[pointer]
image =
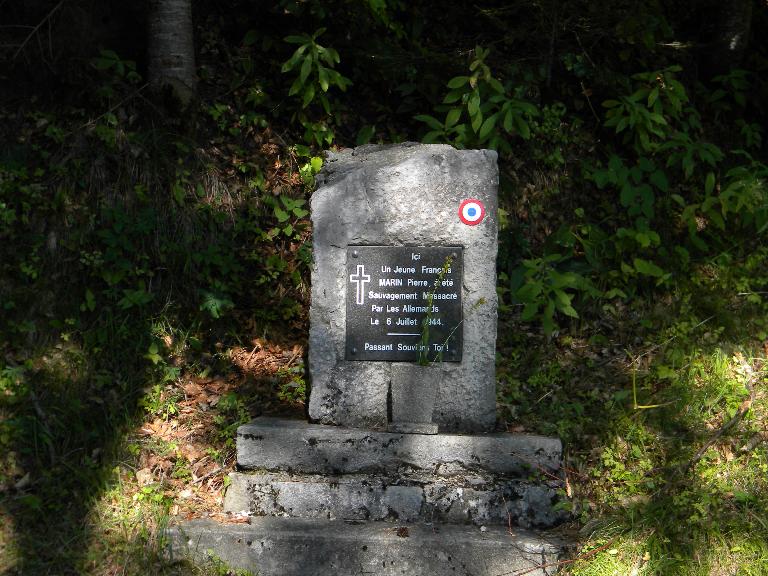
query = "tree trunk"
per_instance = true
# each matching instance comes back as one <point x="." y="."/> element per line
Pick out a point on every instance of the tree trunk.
<point x="172" y="48"/>
<point x="731" y="35"/>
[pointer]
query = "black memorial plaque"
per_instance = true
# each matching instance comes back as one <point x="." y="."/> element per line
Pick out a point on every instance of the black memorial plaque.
<point x="388" y="288"/>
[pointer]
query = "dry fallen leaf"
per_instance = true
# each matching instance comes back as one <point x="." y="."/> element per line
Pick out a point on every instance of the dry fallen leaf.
<point x="144" y="476"/>
<point x="185" y="494"/>
<point x="192" y="389"/>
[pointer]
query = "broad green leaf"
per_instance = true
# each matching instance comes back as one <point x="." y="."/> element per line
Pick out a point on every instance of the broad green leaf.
<point x="565" y="279"/>
<point x="643" y="239"/>
<point x="452" y="117"/>
<point x="325" y="103"/>
<point x="508" y="121"/>
<point x="659" y="179"/>
<point x="522" y="127"/>
<point x="562" y="299"/>
<point x="90" y="300"/>
<point x="496" y="85"/>
<point x="678" y="199"/>
<point x="309" y="95"/>
<point x="295" y="87"/>
<point x="645" y="142"/>
<point x="569" y="311"/>
<point x="365" y="134"/>
<point x="601" y="178"/>
<point x="487" y="126"/>
<point x="334" y="55"/>
<point x="281" y="215"/>
<point x="638" y="95"/>
<point x="653" y="96"/>
<point x="647" y="268"/>
<point x="547" y="318"/>
<point x="528" y="292"/>
<point x="709" y="183"/>
<point x="646" y="193"/>
<point x="106" y="59"/>
<point x="646" y="164"/>
<point x="430" y="121"/>
<point x="306" y="68"/>
<point x="297" y="39"/>
<point x="614" y="293"/>
<point x="615" y="163"/>
<point x="302" y="150"/>
<point x="717" y="219"/>
<point x="432" y="136"/>
<point x="527" y="108"/>
<point x="322" y="77"/>
<point x="317" y="163"/>
<point x="293" y="60"/>
<point x="529" y="311"/>
<point x="477" y="121"/>
<point x="457" y="82"/>
<point x="627" y="195"/>
<point x="473" y="106"/>
<point x="453" y="96"/>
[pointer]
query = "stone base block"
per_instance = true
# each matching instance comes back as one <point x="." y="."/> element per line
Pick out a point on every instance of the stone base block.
<point x="295" y="446"/>
<point x="300" y="547"/>
<point x="459" y="500"/>
<point x="412" y="428"/>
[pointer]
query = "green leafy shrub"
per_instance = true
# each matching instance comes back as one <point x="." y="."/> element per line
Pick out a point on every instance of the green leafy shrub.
<point x="313" y="65"/>
<point x="480" y="112"/>
<point x="644" y="116"/>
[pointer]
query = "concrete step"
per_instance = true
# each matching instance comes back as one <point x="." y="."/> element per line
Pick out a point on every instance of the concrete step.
<point x="413" y="498"/>
<point x="304" y="547"/>
<point x="274" y="444"/>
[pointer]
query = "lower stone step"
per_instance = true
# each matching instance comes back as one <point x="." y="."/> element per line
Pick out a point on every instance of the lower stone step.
<point x="424" y="498"/>
<point x="305" y="547"/>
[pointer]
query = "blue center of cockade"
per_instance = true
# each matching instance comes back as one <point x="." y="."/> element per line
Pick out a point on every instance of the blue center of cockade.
<point x="471" y="211"/>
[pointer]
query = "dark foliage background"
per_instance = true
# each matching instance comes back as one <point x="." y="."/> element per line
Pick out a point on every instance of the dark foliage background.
<point x="147" y="246"/>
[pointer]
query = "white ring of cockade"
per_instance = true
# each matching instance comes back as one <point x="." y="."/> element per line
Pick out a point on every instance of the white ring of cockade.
<point x="471" y="211"/>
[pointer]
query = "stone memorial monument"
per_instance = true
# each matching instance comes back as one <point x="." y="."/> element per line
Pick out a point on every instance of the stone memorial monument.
<point x="399" y="471"/>
<point x="385" y="220"/>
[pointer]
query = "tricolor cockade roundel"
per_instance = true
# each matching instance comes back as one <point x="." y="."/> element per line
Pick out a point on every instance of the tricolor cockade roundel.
<point x="471" y="211"/>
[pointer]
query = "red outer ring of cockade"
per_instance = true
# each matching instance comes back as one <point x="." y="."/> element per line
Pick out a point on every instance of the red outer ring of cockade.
<point x="461" y="211"/>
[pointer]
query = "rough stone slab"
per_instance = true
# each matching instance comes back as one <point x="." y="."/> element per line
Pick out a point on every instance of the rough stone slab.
<point x="299" y="547"/>
<point x="296" y="446"/>
<point x="412" y="428"/>
<point x="403" y="195"/>
<point x="415" y="499"/>
<point x="331" y="498"/>
<point x="413" y="391"/>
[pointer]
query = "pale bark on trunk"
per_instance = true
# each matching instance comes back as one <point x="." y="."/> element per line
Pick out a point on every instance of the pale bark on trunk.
<point x="172" y="48"/>
<point x="731" y="36"/>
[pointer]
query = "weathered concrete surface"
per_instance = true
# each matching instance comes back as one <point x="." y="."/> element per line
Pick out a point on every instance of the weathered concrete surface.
<point x="331" y="498"/>
<point x="412" y="427"/>
<point x="292" y="445"/>
<point x="413" y="392"/>
<point x="422" y="498"/>
<point x="403" y="195"/>
<point x="299" y="547"/>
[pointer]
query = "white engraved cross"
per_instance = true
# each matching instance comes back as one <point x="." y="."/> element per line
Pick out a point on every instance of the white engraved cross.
<point x="361" y="279"/>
